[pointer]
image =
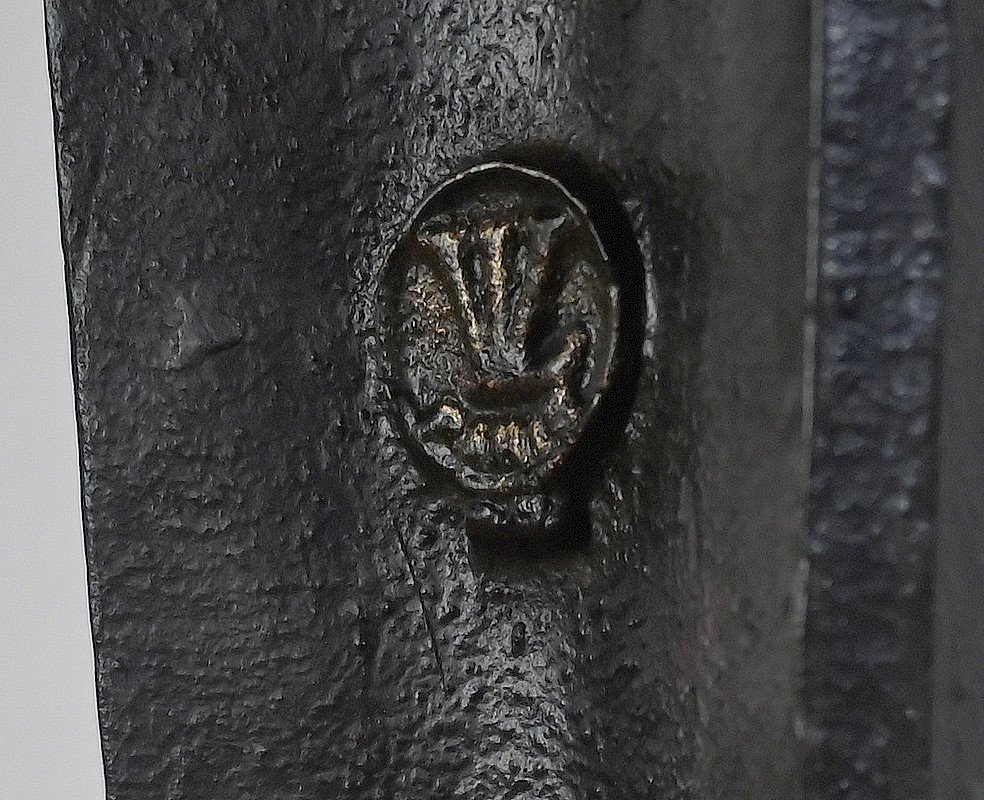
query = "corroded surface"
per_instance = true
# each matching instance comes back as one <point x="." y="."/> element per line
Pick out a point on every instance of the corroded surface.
<point x="882" y="230"/>
<point x="280" y="608"/>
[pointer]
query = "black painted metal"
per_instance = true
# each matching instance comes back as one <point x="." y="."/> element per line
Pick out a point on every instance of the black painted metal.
<point x="283" y="605"/>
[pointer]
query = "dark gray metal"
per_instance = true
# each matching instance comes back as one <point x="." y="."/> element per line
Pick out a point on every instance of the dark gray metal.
<point x="958" y="756"/>
<point x="292" y="595"/>
<point x="882" y="233"/>
<point x="278" y="611"/>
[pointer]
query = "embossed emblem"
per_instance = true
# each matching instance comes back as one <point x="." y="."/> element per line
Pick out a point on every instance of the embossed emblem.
<point x="502" y="317"/>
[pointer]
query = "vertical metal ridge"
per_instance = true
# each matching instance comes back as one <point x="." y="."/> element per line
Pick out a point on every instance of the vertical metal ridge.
<point x="881" y="254"/>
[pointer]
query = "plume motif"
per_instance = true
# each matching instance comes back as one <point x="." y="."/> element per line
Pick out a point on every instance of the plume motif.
<point x="504" y="321"/>
<point x="496" y="280"/>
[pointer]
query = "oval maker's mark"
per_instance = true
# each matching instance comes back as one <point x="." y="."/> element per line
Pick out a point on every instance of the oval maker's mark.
<point x="502" y="318"/>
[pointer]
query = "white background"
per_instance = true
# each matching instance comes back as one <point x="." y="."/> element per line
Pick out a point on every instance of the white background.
<point x="49" y="740"/>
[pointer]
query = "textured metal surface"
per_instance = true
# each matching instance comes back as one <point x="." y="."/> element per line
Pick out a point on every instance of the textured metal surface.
<point x="512" y="351"/>
<point x="882" y="232"/>
<point x="277" y="611"/>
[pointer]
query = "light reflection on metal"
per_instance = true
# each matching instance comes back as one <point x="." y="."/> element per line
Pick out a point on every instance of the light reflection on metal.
<point x="502" y="312"/>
